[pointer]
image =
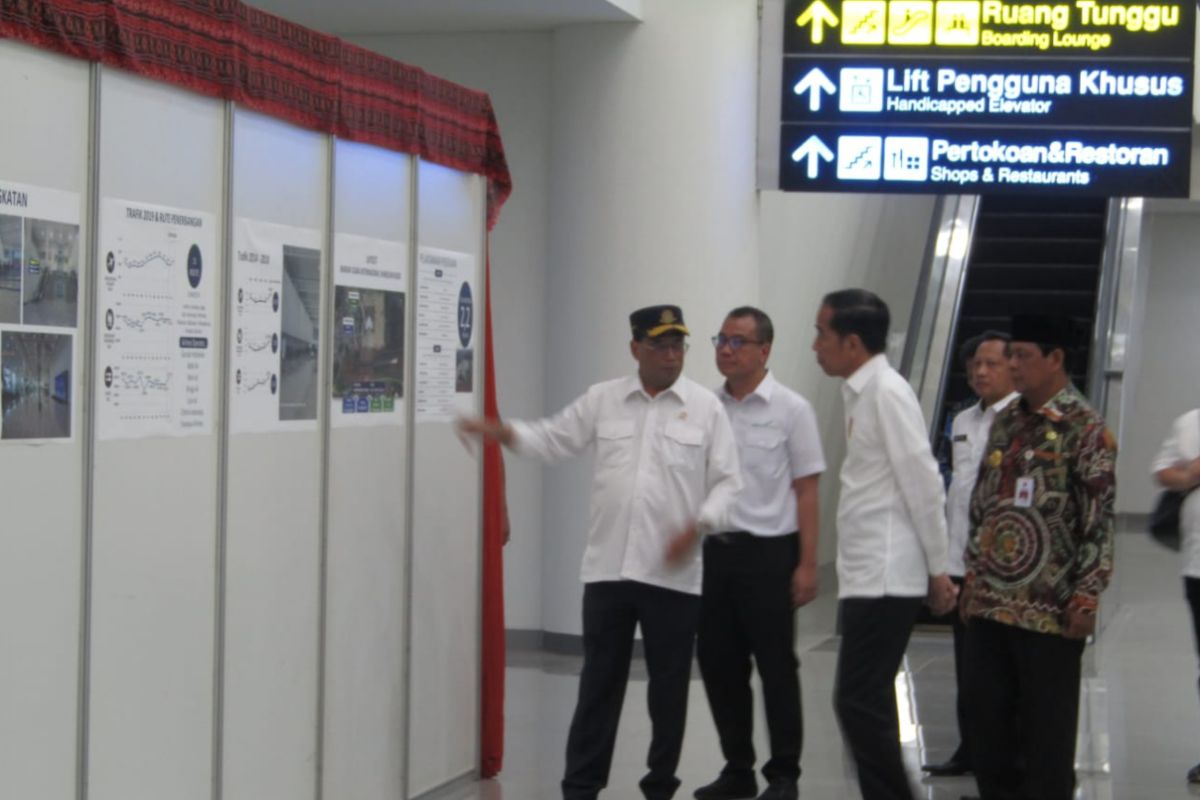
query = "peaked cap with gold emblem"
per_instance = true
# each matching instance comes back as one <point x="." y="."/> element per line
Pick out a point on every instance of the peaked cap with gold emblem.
<point x="657" y="320"/>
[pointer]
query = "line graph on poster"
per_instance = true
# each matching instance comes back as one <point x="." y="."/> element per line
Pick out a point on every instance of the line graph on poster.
<point x="249" y="382"/>
<point x="141" y="325"/>
<point x="258" y="297"/>
<point x="141" y="272"/>
<point x="139" y="388"/>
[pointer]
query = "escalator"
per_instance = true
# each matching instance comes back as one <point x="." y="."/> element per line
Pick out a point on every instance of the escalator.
<point x="1028" y="255"/>
<point x="989" y="258"/>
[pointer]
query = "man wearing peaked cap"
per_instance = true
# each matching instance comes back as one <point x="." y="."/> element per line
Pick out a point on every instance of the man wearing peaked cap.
<point x="657" y="320"/>
<point x="1039" y="555"/>
<point x="665" y="471"/>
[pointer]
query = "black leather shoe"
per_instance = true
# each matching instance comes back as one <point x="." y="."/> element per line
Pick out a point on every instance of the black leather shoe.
<point x="781" y="790"/>
<point x="948" y="768"/>
<point x="729" y="787"/>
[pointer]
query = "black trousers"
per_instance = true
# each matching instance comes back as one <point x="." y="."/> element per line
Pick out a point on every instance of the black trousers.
<point x="875" y="634"/>
<point x="746" y="611"/>
<point x="963" y="753"/>
<point x="1023" y="693"/>
<point x="1191" y="589"/>
<point x="611" y="612"/>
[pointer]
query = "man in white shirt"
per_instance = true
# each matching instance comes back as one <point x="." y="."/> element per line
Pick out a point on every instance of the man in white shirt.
<point x="1177" y="468"/>
<point x="666" y="472"/>
<point x="892" y="537"/>
<point x="763" y="567"/>
<point x="986" y="358"/>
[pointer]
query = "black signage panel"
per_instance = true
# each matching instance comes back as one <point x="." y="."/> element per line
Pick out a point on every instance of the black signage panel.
<point x="1078" y="28"/>
<point x="987" y="96"/>
<point x="963" y="91"/>
<point x="952" y="160"/>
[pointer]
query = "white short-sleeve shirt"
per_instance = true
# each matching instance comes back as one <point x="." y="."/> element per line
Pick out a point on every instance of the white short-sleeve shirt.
<point x="778" y="442"/>
<point x="1183" y="444"/>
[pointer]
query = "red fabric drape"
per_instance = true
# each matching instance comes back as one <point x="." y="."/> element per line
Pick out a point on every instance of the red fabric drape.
<point x="495" y="525"/>
<point x="226" y="49"/>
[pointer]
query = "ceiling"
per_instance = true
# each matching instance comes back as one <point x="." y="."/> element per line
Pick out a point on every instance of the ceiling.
<point x="364" y="17"/>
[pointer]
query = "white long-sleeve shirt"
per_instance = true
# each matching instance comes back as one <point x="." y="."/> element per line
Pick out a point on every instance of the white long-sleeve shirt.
<point x="891" y="515"/>
<point x="661" y="463"/>
<point x="968" y="439"/>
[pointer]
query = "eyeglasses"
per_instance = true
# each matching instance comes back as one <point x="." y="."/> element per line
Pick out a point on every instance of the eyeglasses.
<point x="666" y="345"/>
<point x="735" y="342"/>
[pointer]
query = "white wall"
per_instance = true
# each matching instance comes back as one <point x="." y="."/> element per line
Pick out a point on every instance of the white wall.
<point x="515" y="70"/>
<point x="1168" y="381"/>
<point x="814" y="244"/>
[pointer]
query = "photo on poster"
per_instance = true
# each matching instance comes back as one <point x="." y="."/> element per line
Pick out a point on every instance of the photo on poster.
<point x="50" y="291"/>
<point x="464" y="371"/>
<point x="368" y="360"/>
<point x="36" y="372"/>
<point x="10" y="269"/>
<point x="300" y="347"/>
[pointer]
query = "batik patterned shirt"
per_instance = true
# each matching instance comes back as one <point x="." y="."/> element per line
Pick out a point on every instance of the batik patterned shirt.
<point x="1042" y="515"/>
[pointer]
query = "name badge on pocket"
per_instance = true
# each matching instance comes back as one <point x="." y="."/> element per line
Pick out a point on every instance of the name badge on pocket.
<point x="1024" y="497"/>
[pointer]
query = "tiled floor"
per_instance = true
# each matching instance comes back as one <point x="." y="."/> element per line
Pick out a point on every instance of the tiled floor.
<point x="1139" y="725"/>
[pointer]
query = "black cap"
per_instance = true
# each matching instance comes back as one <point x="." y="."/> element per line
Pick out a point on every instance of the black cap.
<point x="656" y="320"/>
<point x="1043" y="329"/>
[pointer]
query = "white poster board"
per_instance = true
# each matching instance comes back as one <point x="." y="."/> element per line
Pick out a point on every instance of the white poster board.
<point x="154" y="321"/>
<point x="39" y="311"/>
<point x="275" y="325"/>
<point x="446" y="335"/>
<point x="371" y="278"/>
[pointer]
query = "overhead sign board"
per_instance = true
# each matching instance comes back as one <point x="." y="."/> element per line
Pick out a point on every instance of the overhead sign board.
<point x="985" y="96"/>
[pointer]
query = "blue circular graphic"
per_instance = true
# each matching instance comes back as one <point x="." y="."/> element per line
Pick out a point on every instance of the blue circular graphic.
<point x="195" y="266"/>
<point x="466" y="314"/>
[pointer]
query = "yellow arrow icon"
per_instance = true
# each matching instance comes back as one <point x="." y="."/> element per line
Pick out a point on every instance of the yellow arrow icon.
<point x="819" y="15"/>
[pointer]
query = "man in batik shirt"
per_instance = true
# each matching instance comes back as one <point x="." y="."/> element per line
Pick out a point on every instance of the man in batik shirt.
<point x="1038" y="558"/>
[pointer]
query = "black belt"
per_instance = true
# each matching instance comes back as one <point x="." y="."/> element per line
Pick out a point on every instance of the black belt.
<point x="743" y="537"/>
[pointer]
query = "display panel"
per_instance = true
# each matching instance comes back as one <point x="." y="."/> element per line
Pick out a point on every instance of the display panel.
<point x="986" y="96"/>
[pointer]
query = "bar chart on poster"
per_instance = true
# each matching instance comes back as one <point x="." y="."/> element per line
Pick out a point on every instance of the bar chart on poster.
<point x="987" y="96"/>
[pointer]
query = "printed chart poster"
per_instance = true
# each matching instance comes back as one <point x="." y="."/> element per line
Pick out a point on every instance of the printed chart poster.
<point x="368" y="317"/>
<point x="154" y="321"/>
<point x="446" y="342"/>
<point x="39" y="310"/>
<point x="276" y="332"/>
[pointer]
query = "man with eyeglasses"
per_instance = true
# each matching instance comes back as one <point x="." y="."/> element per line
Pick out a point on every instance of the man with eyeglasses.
<point x="762" y="568"/>
<point x="665" y="473"/>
